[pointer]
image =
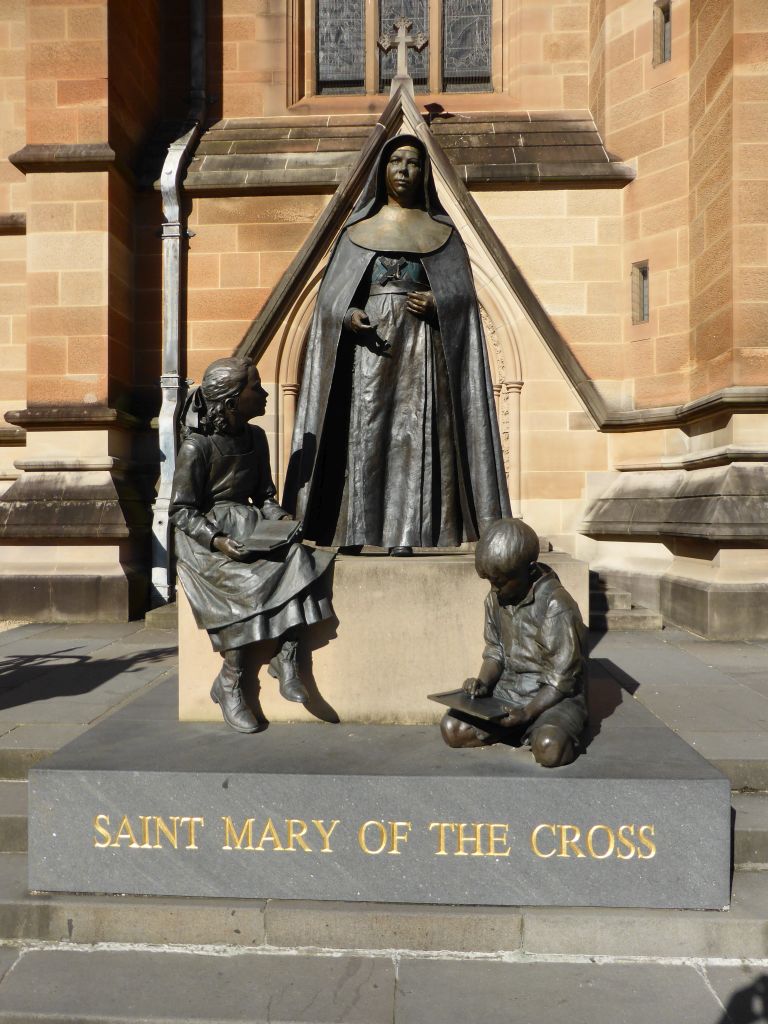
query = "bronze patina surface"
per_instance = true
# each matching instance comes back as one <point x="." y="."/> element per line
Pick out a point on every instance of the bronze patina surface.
<point x="396" y="442"/>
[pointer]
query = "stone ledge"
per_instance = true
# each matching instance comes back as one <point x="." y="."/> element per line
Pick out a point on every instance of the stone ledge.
<point x="714" y="503"/>
<point x="739" y="398"/>
<point x="12" y="437"/>
<point x="720" y="456"/>
<point x="71" y="597"/>
<point x="62" y="417"/>
<point x="95" y="156"/>
<point x="13" y="223"/>
<point x="485" y="148"/>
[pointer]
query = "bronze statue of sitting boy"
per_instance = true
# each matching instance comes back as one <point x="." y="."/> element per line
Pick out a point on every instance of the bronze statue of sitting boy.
<point x="534" y="660"/>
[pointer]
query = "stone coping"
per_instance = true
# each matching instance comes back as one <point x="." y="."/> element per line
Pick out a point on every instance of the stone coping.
<point x="484" y="147"/>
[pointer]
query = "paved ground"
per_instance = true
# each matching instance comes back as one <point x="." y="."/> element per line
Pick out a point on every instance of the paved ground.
<point x="55" y="681"/>
<point x="137" y="985"/>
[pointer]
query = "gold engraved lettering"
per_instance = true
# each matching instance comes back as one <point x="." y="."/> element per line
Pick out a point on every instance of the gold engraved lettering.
<point x="442" y="827"/>
<point x="494" y="839"/>
<point x="297" y="829"/>
<point x="231" y="836"/>
<point x="362" y="839"/>
<point x="648" y="843"/>
<point x="125" y="832"/>
<point x="145" y="820"/>
<point x="396" y="837"/>
<point x="269" y="835"/>
<point x="191" y="823"/>
<point x="171" y="836"/>
<point x="566" y="843"/>
<point x="624" y="841"/>
<point x="99" y="823"/>
<point x="611" y="842"/>
<point x="325" y="833"/>
<point x="475" y="840"/>
<point x="535" y="840"/>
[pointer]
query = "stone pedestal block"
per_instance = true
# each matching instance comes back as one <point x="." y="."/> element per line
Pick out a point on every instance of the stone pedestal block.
<point x="407" y="627"/>
<point x="145" y="804"/>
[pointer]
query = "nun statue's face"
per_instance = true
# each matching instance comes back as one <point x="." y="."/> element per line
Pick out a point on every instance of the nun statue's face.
<point x="404" y="176"/>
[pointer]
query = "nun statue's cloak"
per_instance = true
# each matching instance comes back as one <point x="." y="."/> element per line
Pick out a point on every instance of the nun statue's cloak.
<point x="396" y="441"/>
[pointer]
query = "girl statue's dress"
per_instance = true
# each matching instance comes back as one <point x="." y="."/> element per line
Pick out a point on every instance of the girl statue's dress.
<point x="223" y="484"/>
<point x="396" y="441"/>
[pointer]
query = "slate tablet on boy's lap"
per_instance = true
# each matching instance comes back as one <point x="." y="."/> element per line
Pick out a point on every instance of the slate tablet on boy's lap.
<point x="488" y="708"/>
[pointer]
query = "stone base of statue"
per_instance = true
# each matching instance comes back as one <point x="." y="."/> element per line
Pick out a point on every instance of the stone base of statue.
<point x="406" y="628"/>
<point x="145" y="804"/>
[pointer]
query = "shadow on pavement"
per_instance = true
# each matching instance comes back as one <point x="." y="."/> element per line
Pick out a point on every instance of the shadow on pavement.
<point x="26" y="678"/>
<point x="748" y="1005"/>
<point x="625" y="681"/>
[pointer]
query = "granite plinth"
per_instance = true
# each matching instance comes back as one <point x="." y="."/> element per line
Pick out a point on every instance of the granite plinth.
<point x="144" y="804"/>
<point x="407" y="627"/>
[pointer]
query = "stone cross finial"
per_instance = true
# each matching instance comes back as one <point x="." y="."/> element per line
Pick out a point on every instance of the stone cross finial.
<point x="403" y="41"/>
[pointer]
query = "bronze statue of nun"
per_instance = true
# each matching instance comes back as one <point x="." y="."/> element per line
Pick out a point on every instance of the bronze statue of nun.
<point x="396" y="442"/>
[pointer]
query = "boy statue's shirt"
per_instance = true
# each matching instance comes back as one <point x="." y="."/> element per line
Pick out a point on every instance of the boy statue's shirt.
<point x="538" y="642"/>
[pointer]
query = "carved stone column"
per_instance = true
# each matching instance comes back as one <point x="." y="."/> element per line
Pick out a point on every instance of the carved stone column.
<point x="290" y="394"/>
<point x="506" y="395"/>
<point x="514" y="451"/>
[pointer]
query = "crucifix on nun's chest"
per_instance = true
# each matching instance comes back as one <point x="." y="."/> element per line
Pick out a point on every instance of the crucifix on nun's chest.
<point x="403" y="41"/>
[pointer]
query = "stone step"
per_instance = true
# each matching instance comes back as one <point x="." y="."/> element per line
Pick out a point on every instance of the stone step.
<point x="604" y="599"/>
<point x="270" y="925"/>
<point x="744" y="772"/>
<point x="155" y="986"/>
<point x="750" y="841"/>
<point x="25" y="746"/>
<point x="13" y="817"/>
<point x="164" y="617"/>
<point x="635" y="618"/>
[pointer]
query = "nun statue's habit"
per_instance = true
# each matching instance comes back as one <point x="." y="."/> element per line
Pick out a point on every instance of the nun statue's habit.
<point x="396" y="442"/>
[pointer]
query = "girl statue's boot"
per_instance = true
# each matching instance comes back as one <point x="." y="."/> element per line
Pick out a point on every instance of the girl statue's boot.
<point x="284" y="668"/>
<point x="227" y="693"/>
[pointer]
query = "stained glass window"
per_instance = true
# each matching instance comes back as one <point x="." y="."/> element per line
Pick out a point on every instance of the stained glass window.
<point x="416" y="11"/>
<point x="340" y="46"/>
<point x="466" y="45"/>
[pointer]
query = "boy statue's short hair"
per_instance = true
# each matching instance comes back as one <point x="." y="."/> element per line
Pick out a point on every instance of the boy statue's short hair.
<point x="506" y="546"/>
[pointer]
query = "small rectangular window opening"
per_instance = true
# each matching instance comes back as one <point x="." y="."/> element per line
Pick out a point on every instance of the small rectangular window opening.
<point x="662" y="32"/>
<point x="640" y="303"/>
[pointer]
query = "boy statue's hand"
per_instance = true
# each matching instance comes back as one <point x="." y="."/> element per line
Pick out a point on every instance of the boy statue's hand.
<point x="475" y="688"/>
<point x="514" y="717"/>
